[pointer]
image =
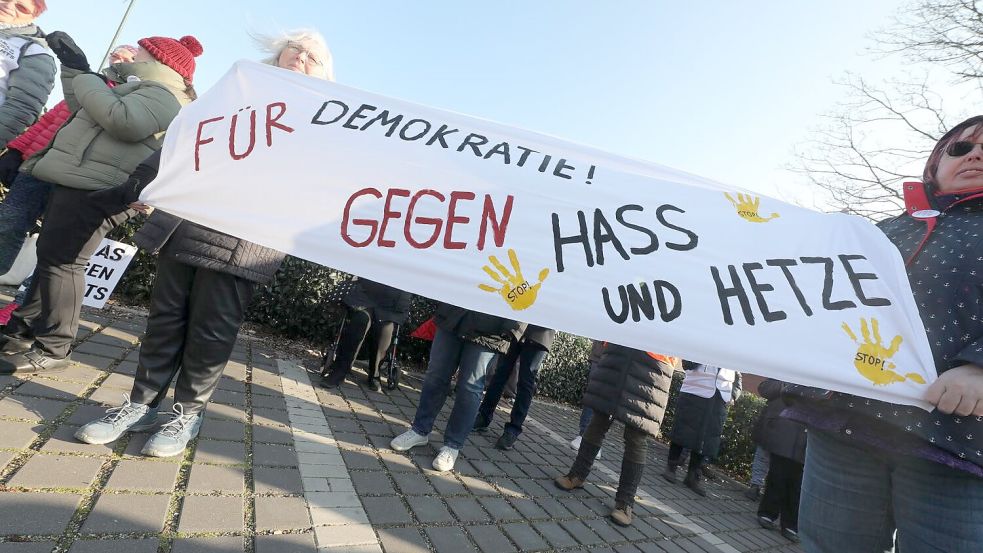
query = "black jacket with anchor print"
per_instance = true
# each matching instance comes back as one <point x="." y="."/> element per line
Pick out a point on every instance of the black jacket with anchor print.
<point x="946" y="275"/>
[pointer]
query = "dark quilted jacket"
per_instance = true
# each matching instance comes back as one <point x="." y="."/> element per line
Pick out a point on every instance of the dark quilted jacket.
<point x="385" y="302"/>
<point x="490" y="331"/>
<point x="630" y="385"/>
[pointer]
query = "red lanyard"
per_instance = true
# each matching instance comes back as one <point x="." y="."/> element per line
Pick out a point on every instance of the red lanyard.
<point x="918" y="206"/>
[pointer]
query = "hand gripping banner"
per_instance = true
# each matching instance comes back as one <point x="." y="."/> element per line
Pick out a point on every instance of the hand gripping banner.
<point x="533" y="228"/>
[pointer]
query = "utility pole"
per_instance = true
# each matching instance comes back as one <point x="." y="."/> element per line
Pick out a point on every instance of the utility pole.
<point x="119" y="30"/>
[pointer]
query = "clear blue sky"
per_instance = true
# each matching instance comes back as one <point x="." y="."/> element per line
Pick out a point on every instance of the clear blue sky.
<point x="719" y="88"/>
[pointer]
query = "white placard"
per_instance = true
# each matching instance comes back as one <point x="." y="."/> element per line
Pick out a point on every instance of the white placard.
<point x="104" y="270"/>
<point x="530" y="227"/>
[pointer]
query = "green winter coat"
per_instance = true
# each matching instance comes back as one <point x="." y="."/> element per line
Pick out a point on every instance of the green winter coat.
<point x="29" y="85"/>
<point x="111" y="130"/>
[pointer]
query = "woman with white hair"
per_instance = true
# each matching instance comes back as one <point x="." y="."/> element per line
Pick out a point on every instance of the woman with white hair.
<point x="205" y="281"/>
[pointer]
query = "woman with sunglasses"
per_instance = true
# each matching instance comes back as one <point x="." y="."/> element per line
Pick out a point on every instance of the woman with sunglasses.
<point x="878" y="474"/>
<point x="205" y="281"/>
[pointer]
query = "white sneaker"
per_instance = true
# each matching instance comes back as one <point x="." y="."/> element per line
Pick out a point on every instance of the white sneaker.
<point x="408" y="439"/>
<point x="575" y="443"/>
<point x="598" y="456"/>
<point x="445" y="459"/>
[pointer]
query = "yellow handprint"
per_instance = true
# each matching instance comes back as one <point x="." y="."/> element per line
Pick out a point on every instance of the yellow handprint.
<point x="747" y="208"/>
<point x="515" y="290"/>
<point x="873" y="359"/>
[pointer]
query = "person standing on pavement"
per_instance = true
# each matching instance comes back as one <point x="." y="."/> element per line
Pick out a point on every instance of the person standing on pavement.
<point x="596" y="348"/>
<point x="785" y="441"/>
<point x="529" y="351"/>
<point x="759" y="472"/>
<point x="631" y="386"/>
<point x="205" y="281"/>
<point x="466" y="343"/>
<point x="701" y="410"/>
<point x="116" y="128"/>
<point x="373" y="311"/>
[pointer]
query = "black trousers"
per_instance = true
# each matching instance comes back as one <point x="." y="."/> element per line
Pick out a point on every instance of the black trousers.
<point x="73" y="227"/>
<point x="676" y="453"/>
<point x="633" y="462"/>
<point x="360" y="328"/>
<point x="530" y="356"/>
<point x="195" y="315"/>
<point x="782" y="489"/>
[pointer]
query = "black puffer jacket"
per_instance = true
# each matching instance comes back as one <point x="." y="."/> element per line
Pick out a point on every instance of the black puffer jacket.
<point x="492" y="332"/>
<point x="385" y="302"/>
<point x="542" y="336"/>
<point x="630" y="385"/>
<point x="775" y="433"/>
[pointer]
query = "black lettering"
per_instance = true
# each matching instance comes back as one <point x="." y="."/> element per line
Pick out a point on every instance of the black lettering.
<point x="317" y="116"/>
<point x="118" y="254"/>
<point x="622" y="315"/>
<point x="693" y="238"/>
<point x="103" y="252"/>
<point x="640" y="301"/>
<point x="383" y="119"/>
<point x="828" y="285"/>
<point x="784" y="264"/>
<point x="667" y="314"/>
<point x="605" y="234"/>
<point x="855" y="279"/>
<point x="426" y="129"/>
<point x="89" y="288"/>
<point x="583" y="238"/>
<point x="439" y="136"/>
<point x="473" y="140"/>
<point x="561" y="166"/>
<point x="356" y="115"/>
<point x="758" y="289"/>
<point x="653" y="244"/>
<point x="735" y="290"/>
<point x="525" y="155"/>
<point x="502" y="149"/>
<point x="101" y="293"/>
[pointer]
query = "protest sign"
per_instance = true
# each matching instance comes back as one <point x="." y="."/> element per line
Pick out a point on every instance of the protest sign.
<point x="533" y="228"/>
<point x="104" y="270"/>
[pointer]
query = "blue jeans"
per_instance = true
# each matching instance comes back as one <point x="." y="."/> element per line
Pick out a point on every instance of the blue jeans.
<point x="530" y="356"/>
<point x="22" y="206"/>
<point x="450" y="354"/>
<point x="855" y="496"/>
<point x="586" y="413"/>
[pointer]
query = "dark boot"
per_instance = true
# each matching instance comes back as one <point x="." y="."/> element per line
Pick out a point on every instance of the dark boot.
<point x="694" y="482"/>
<point x="670" y="472"/>
<point x="631" y="475"/>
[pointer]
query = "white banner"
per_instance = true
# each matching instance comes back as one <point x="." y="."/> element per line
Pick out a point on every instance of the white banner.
<point x="533" y="228"/>
<point x="104" y="270"/>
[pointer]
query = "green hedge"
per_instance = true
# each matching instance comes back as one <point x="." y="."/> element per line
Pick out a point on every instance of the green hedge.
<point x="302" y="302"/>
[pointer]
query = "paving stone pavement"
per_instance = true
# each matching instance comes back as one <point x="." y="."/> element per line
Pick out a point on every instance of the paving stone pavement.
<point x="285" y="466"/>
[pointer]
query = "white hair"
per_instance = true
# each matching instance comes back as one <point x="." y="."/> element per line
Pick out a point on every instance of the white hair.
<point x="274" y="45"/>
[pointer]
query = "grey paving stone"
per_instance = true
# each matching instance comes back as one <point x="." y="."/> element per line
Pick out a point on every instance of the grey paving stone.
<point x="361" y="460"/>
<point x="524" y="536"/>
<point x="208" y="478"/>
<point x="226" y="544"/>
<point x="490" y="539"/>
<point x="528" y="508"/>
<point x="403" y="540"/>
<point x="222" y="411"/>
<point x="386" y="510"/>
<point x="499" y="509"/>
<point x="36" y="513"/>
<point x="448" y="539"/>
<point x="270" y="454"/>
<point x="555" y="534"/>
<point x="53" y="389"/>
<point x="63" y="440"/>
<point x="268" y="401"/>
<point x="273" y="435"/>
<point x="211" y="514"/>
<point x="429" y="509"/>
<point x="277" y="480"/>
<point x="132" y="474"/>
<point x="17" y="435"/>
<point x="31" y="408"/>
<point x="220" y="452"/>
<point x="6" y="456"/>
<point x="580" y="531"/>
<point x="85" y="414"/>
<point x="127" y="513"/>
<point x="445" y="483"/>
<point x="122" y="382"/>
<point x="57" y="471"/>
<point x="411" y="483"/>
<point x="27" y="547"/>
<point x="223" y="430"/>
<point x="90" y="347"/>
<point x="467" y="509"/>
<point x="604" y="529"/>
<point x="231" y="385"/>
<point x="372" y="482"/>
<point x="282" y="513"/>
<point x="285" y="543"/>
<point x="270" y="417"/>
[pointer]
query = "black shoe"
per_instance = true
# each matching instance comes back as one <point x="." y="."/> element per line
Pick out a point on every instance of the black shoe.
<point x="693" y="482"/>
<point x="790" y="535"/>
<point x="753" y="493"/>
<point x="768" y="523"/>
<point x="374" y="384"/>
<point x="329" y="382"/>
<point x="670" y="474"/>
<point x="505" y="441"/>
<point x="32" y="362"/>
<point x="10" y="345"/>
<point x="481" y="424"/>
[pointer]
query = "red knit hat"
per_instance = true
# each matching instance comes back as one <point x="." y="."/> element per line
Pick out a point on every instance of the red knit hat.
<point x="179" y="55"/>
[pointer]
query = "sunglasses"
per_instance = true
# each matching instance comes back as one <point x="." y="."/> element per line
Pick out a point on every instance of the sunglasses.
<point x="961" y="148"/>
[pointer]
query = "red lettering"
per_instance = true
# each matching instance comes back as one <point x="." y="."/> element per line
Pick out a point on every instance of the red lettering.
<point x="388" y="213"/>
<point x="199" y="142"/>
<point x="453" y="219"/>
<point x="499" y="224"/>
<point x="371" y="223"/>
<point x="435" y="221"/>
<point x="252" y="135"/>
<point x="272" y="121"/>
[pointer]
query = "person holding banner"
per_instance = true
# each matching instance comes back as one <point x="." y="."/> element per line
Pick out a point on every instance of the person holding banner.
<point x="631" y="386"/>
<point x="876" y="473"/>
<point x="205" y="281"/>
<point x="466" y="343"/>
<point x="116" y="128"/>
